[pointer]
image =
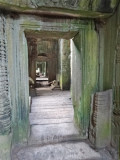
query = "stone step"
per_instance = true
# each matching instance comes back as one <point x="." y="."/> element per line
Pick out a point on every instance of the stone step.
<point x="52" y="99"/>
<point x="62" y="151"/>
<point x="50" y="109"/>
<point x="53" y="133"/>
<point x="38" y="121"/>
<point x="48" y="103"/>
<point x="50" y="115"/>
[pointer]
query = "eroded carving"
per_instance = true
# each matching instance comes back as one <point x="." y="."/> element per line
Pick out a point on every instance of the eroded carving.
<point x="100" y="124"/>
<point x="5" y="111"/>
<point x="56" y="3"/>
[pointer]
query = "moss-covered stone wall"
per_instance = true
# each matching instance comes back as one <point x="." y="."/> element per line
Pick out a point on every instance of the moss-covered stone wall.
<point x="18" y="79"/>
<point x="84" y="75"/>
<point x="18" y="65"/>
<point x="95" y="66"/>
<point x="110" y="71"/>
<point x="65" y="64"/>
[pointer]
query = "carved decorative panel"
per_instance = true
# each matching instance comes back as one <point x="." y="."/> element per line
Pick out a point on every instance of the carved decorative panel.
<point x="5" y="121"/>
<point x="56" y="3"/>
<point x="100" y="123"/>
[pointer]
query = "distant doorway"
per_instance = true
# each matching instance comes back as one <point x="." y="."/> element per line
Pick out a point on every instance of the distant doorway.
<point x="41" y="74"/>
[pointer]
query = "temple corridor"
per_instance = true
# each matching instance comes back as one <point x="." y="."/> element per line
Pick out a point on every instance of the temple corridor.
<point x="60" y="80"/>
<point x="53" y="134"/>
<point x="51" y="117"/>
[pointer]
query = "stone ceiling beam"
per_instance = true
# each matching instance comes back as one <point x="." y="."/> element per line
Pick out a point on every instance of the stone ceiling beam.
<point x="73" y="8"/>
<point x="50" y="34"/>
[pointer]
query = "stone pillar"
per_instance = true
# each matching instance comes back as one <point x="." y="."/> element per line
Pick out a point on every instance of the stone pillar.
<point x="5" y="109"/>
<point x="32" y="55"/>
<point x="33" y="70"/>
<point x="46" y="69"/>
<point x="52" y="70"/>
<point x="65" y="65"/>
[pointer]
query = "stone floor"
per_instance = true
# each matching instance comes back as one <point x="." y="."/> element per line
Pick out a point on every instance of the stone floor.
<point x="51" y="118"/>
<point x="53" y="133"/>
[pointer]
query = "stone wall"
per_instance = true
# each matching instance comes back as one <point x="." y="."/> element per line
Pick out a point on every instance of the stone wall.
<point x="109" y="66"/>
<point x="114" y="61"/>
<point x="18" y="80"/>
<point x="95" y="61"/>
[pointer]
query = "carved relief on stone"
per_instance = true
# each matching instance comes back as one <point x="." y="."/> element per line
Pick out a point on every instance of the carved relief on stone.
<point x="100" y="123"/>
<point x="5" y="110"/>
<point x="55" y="3"/>
<point x="70" y="3"/>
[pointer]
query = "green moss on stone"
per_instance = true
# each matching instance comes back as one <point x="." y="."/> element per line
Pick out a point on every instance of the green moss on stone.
<point x="113" y="3"/>
<point x="88" y="58"/>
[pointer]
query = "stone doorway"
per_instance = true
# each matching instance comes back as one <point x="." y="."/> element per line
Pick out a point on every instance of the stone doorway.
<point x="62" y="30"/>
<point x="53" y="57"/>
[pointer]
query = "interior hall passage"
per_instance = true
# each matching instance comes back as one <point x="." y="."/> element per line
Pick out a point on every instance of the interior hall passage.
<point x="51" y="117"/>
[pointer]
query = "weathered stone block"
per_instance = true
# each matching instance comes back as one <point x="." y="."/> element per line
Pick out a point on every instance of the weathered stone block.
<point x="100" y="123"/>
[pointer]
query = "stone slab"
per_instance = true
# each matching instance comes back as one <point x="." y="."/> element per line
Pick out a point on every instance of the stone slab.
<point x="63" y="151"/>
<point x="48" y="115"/>
<point x="50" y="121"/>
<point x="52" y="109"/>
<point x="52" y="133"/>
<point x="40" y="108"/>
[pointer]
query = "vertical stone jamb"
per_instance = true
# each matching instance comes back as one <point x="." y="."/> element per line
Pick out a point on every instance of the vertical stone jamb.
<point x="5" y="109"/>
<point x="65" y="65"/>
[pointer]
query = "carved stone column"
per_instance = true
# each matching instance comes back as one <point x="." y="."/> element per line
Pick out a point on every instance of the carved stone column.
<point x="5" y="107"/>
<point x="5" y="110"/>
